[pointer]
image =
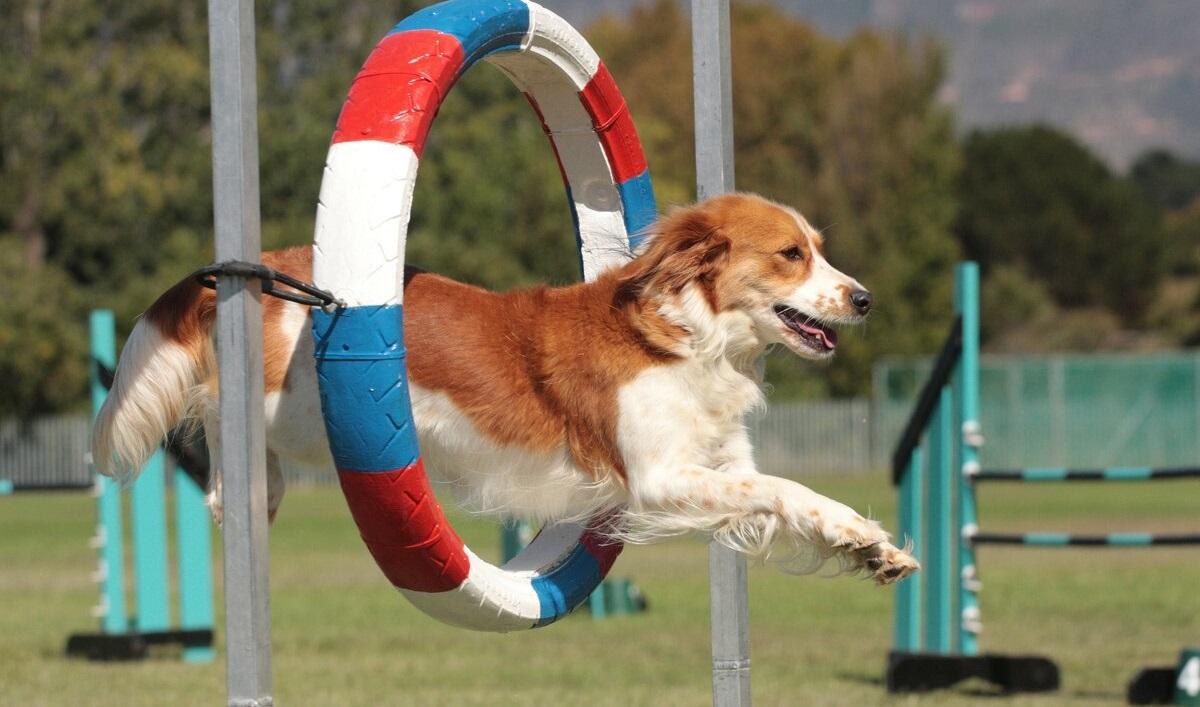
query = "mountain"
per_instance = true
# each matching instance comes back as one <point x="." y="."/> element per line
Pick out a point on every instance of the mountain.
<point x="1122" y="76"/>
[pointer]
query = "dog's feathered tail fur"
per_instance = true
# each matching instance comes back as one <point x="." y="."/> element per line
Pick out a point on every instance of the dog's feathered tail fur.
<point x="156" y="387"/>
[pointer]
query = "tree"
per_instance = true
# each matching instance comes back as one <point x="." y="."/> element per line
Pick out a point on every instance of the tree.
<point x="1174" y="184"/>
<point x="1166" y="179"/>
<point x="106" y="184"/>
<point x="105" y="177"/>
<point x="1037" y="198"/>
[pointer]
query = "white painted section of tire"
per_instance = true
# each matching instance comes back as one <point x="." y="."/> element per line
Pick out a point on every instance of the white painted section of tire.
<point x="362" y="221"/>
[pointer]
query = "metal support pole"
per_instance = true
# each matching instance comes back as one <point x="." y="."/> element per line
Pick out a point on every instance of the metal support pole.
<point x="713" y="97"/>
<point x="966" y="577"/>
<point x="239" y="353"/>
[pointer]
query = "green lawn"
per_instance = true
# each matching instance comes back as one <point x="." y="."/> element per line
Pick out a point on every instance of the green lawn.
<point x="343" y="637"/>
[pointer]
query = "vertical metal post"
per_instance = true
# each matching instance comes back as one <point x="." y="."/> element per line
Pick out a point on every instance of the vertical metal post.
<point x="713" y="97"/>
<point x="193" y="538"/>
<point x="967" y="576"/>
<point x="239" y="353"/>
<point x="110" y="529"/>
<point x="908" y="592"/>
<point x="149" y="520"/>
<point x="940" y="543"/>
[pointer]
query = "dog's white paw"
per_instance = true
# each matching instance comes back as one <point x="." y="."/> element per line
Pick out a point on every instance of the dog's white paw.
<point x="886" y="562"/>
<point x="865" y="543"/>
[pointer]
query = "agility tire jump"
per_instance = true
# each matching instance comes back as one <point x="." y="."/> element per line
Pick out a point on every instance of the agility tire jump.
<point x="358" y="254"/>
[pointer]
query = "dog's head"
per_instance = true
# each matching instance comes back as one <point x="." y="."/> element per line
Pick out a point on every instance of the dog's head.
<point x="746" y="255"/>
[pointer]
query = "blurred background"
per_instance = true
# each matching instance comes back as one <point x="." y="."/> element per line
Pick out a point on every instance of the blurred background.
<point x="1057" y="142"/>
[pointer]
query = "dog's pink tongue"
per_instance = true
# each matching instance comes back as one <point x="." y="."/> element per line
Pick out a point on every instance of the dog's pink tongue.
<point x="828" y="337"/>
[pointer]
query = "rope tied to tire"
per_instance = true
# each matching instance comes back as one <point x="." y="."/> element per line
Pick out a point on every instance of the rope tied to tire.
<point x="312" y="296"/>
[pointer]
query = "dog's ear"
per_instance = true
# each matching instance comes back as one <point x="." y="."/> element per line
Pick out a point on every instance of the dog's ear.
<point x="688" y="247"/>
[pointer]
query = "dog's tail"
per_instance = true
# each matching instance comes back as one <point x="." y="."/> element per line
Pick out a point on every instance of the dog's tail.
<point x="158" y="381"/>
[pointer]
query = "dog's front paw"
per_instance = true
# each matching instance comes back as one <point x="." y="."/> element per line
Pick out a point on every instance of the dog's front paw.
<point x="847" y="531"/>
<point x="886" y="562"/>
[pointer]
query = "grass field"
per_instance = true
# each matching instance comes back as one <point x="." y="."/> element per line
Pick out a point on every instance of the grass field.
<point x="343" y="637"/>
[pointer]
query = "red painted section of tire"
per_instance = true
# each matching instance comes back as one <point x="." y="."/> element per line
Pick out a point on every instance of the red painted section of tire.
<point x="396" y="95"/>
<point x="598" y="541"/>
<point x="404" y="528"/>
<point x="613" y="125"/>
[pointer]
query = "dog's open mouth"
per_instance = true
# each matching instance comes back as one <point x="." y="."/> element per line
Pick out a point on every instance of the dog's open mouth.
<point x="813" y="333"/>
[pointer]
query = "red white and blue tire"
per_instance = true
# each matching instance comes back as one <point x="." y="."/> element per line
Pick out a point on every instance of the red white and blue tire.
<point x="358" y="254"/>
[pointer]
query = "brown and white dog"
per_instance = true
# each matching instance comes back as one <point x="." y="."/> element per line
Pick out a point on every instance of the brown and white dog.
<point x="557" y="403"/>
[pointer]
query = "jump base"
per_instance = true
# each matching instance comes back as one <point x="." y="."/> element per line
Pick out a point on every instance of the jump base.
<point x="1152" y="686"/>
<point x="923" y="672"/>
<point x="133" y="646"/>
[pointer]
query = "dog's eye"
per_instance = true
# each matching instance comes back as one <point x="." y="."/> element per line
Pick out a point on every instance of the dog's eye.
<point x="792" y="253"/>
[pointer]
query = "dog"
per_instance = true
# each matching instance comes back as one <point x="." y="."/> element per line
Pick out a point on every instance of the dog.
<point x="626" y="393"/>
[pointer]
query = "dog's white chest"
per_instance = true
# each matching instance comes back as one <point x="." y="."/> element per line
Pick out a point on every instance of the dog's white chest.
<point x="684" y="413"/>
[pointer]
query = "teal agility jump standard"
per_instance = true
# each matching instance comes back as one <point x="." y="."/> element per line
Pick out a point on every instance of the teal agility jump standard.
<point x="936" y="464"/>
<point x="125" y="635"/>
<point x="1119" y="473"/>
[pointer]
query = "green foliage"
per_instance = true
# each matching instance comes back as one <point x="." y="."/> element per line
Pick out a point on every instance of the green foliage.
<point x="1166" y="179"/>
<point x="106" y="184"/>
<point x="1035" y="198"/>
<point x="490" y="207"/>
<point x="105" y="149"/>
<point x="105" y="155"/>
<point x="1010" y="299"/>
<point x="43" y="336"/>
<point x="1183" y="239"/>
<point x="1174" y="184"/>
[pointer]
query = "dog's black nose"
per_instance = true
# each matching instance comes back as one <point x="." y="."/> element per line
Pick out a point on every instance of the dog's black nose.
<point x="861" y="299"/>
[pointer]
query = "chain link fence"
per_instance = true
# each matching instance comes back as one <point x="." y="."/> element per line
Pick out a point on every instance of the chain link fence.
<point x="791" y="439"/>
<point x="1062" y="411"/>
<point x="45" y="452"/>
<point x="1066" y="411"/>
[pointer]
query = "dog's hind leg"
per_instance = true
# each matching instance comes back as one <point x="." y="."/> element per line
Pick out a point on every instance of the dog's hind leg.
<point x="750" y="512"/>
<point x="275" y="485"/>
<point x="214" y="498"/>
<point x="212" y="433"/>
